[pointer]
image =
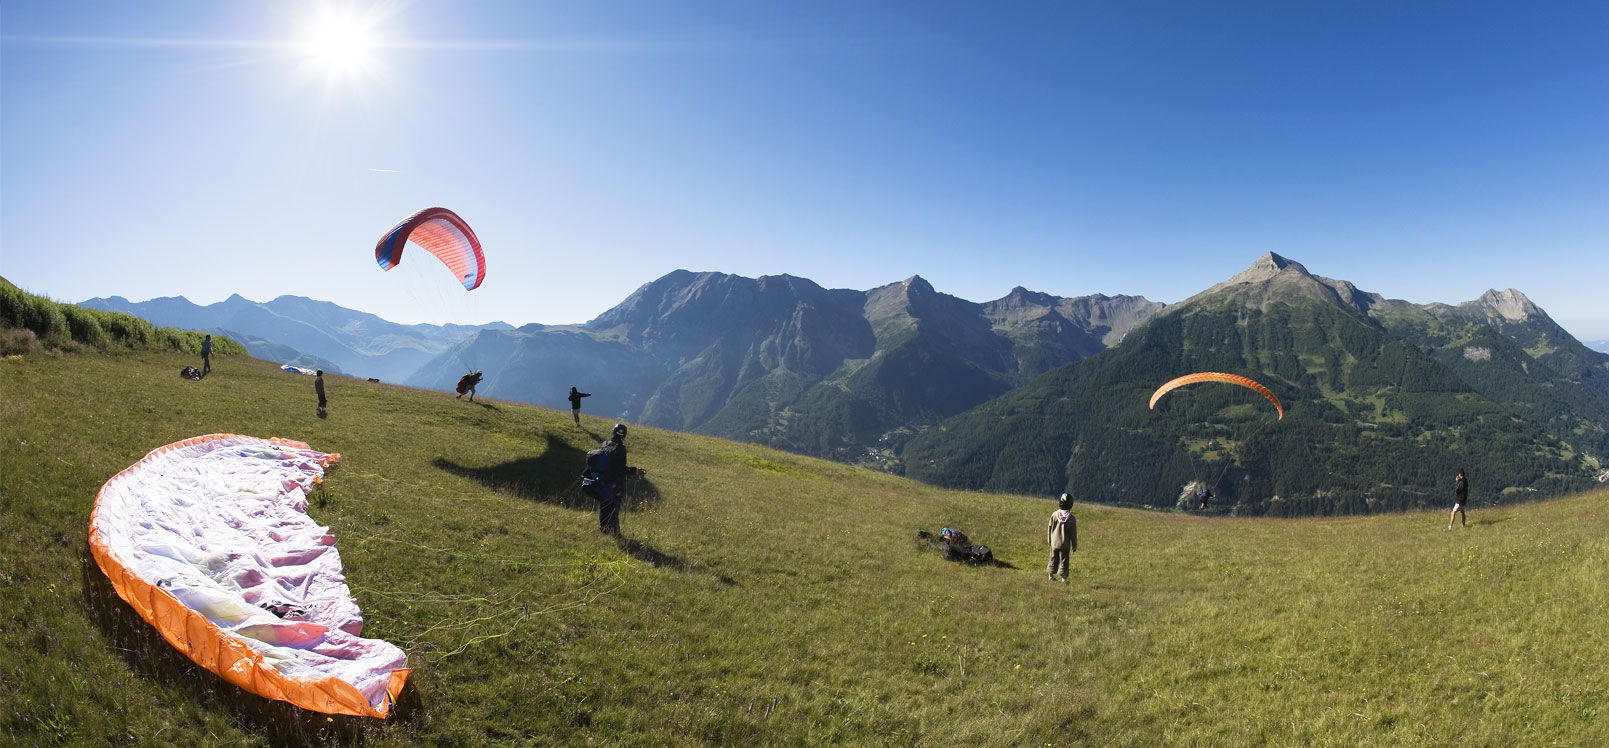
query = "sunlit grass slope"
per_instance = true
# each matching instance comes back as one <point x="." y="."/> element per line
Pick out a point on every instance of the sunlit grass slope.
<point x="768" y="599"/>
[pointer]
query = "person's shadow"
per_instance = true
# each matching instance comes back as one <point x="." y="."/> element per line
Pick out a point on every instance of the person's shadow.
<point x="551" y="477"/>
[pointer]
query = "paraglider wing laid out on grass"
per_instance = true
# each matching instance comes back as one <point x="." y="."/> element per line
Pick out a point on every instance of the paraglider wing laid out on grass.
<point x="442" y="233"/>
<point x="209" y="540"/>
<point x="1213" y="376"/>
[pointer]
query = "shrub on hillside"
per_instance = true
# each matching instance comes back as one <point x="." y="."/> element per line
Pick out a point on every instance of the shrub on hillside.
<point x="30" y="322"/>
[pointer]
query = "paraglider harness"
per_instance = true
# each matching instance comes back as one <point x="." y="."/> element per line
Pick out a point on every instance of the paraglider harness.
<point x="468" y="380"/>
<point x="592" y="479"/>
<point x="191" y="373"/>
<point x="957" y="546"/>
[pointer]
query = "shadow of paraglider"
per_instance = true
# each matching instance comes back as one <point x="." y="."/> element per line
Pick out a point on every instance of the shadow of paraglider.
<point x="551" y="477"/>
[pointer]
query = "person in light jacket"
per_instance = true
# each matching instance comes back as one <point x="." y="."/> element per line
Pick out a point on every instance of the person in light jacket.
<point x="1062" y="533"/>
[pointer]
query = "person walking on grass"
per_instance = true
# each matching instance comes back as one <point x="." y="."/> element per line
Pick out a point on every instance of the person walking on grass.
<point x="318" y="388"/>
<point x="206" y="355"/>
<point x="1063" y="537"/>
<point x="1460" y="500"/>
<point x="575" y="404"/>
<point x="467" y="384"/>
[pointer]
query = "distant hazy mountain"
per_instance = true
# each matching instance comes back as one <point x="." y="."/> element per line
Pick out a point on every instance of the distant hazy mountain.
<point x="1384" y="400"/>
<point x="359" y="343"/>
<point x="1602" y="346"/>
<point x="781" y="361"/>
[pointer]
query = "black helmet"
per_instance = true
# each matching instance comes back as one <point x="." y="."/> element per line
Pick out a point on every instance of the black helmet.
<point x="1065" y="502"/>
<point x="620" y="431"/>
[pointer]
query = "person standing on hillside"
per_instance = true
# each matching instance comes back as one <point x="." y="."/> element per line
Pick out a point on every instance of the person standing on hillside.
<point x="575" y="404"/>
<point x="318" y="387"/>
<point x="1063" y="536"/>
<point x="206" y="355"/>
<point x="1460" y="500"/>
<point x="607" y="471"/>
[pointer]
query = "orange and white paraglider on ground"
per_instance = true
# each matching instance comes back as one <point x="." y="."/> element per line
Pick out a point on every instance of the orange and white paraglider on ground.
<point x="208" y="539"/>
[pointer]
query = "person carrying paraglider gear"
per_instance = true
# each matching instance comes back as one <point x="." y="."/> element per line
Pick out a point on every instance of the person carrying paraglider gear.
<point x="1062" y="533"/>
<point x="206" y="356"/>
<point x="467" y="383"/>
<point x="575" y="404"/>
<point x="1460" y="500"/>
<point x="1205" y="496"/>
<point x="605" y="479"/>
<point x="318" y="388"/>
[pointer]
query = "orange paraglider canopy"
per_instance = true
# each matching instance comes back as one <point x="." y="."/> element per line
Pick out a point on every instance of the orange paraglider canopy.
<point x="1213" y="376"/>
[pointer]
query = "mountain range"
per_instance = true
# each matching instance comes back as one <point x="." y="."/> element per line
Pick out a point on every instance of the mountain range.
<point x="1035" y="393"/>
<point x="305" y="332"/>
<point x="1384" y="400"/>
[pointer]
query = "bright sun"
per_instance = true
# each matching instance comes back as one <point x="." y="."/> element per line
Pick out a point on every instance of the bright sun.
<point x="340" y="45"/>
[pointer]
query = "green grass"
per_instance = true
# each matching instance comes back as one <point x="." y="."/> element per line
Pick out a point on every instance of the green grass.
<point x="769" y="599"/>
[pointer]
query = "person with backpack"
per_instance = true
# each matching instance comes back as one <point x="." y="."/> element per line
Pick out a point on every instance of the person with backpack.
<point x="1205" y="496"/>
<point x="1460" y="500"/>
<point x="1063" y="536"/>
<point x="605" y="479"/>
<point x="575" y="404"/>
<point x="466" y="383"/>
<point x="206" y="356"/>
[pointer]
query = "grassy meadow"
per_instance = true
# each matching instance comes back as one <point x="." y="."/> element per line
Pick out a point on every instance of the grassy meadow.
<point x="765" y="599"/>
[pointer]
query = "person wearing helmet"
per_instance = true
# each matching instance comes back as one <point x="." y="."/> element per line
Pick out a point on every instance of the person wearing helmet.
<point x="1063" y="536"/>
<point x="613" y="487"/>
<point x="467" y="384"/>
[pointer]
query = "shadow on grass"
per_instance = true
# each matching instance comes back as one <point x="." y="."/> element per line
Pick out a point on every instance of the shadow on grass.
<point x="551" y="477"/>
<point x="1491" y="521"/>
<point x="150" y="656"/>
<point x="650" y="555"/>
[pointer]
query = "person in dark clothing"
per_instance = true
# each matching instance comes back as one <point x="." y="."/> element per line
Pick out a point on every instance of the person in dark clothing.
<point x="318" y="387"/>
<point x="1205" y="496"/>
<point x="575" y="404"/>
<point x="613" y="488"/>
<point x="467" y="383"/>
<point x="1460" y="500"/>
<point x="206" y="355"/>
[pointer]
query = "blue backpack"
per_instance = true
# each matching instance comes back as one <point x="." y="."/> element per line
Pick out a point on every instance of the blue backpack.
<point x="597" y="467"/>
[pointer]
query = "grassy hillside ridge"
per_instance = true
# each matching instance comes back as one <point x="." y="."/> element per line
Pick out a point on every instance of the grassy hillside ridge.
<point x="31" y="322"/>
<point x="770" y="599"/>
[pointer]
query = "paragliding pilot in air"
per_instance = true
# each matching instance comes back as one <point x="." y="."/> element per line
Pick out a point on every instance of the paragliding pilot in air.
<point x="466" y="383"/>
<point x="1205" y="495"/>
<point x="605" y="479"/>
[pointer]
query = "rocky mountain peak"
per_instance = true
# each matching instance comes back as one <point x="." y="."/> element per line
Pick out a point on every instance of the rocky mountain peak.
<point x="916" y="285"/>
<point x="1266" y="267"/>
<point x="1509" y="304"/>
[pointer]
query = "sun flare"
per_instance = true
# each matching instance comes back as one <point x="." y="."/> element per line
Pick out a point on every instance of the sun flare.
<point x="340" y="45"/>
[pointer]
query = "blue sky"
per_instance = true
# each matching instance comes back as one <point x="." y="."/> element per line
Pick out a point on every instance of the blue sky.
<point x="1423" y="150"/>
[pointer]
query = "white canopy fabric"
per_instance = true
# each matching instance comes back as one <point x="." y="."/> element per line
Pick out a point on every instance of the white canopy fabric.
<point x="220" y="524"/>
